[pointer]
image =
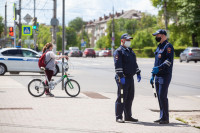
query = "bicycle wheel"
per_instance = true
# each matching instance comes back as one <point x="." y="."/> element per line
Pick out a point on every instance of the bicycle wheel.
<point x="72" y="88"/>
<point x="36" y="87"/>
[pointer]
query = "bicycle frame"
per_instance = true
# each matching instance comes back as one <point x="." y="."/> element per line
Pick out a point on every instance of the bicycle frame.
<point x="51" y="84"/>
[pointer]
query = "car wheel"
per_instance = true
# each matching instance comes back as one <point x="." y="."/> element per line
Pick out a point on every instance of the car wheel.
<point x="180" y="60"/>
<point x="2" y="69"/>
<point x="195" y="61"/>
<point x="56" y="71"/>
<point x="187" y="60"/>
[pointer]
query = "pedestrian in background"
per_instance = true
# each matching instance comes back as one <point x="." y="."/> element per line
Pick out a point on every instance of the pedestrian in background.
<point x="125" y="67"/>
<point x="36" y="48"/>
<point x="162" y="71"/>
<point x="50" y="57"/>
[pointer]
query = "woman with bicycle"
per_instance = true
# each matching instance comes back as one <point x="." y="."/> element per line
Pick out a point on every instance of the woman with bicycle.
<point x="50" y="58"/>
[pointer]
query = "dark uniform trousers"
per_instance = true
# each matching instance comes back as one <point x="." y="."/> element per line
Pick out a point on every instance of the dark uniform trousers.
<point x="162" y="84"/>
<point x="125" y="67"/>
<point x="164" y="57"/>
<point x="128" y="96"/>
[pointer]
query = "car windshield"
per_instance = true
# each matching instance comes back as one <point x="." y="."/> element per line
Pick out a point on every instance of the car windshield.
<point x="90" y="49"/>
<point x="196" y="50"/>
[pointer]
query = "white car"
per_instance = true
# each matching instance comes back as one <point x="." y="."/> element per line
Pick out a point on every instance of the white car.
<point x="105" y="53"/>
<point x="22" y="60"/>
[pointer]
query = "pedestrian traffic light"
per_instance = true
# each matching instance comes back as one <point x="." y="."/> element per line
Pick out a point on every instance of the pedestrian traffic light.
<point x="34" y="23"/>
<point x="11" y="32"/>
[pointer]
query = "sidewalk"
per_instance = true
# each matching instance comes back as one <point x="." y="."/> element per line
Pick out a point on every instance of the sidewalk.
<point x="22" y="113"/>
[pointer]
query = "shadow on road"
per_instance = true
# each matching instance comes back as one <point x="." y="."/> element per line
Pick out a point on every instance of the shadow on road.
<point x="156" y="124"/>
<point x="31" y="75"/>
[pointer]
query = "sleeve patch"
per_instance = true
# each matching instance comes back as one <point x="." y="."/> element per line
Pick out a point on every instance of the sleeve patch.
<point x="169" y="50"/>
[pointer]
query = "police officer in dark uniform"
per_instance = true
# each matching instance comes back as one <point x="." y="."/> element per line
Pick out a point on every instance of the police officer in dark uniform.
<point x="162" y="71"/>
<point x="125" y="67"/>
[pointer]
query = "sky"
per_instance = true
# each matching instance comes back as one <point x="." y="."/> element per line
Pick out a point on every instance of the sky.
<point x="86" y="9"/>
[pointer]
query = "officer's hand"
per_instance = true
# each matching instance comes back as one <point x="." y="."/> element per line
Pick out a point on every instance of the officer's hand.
<point x="122" y="80"/>
<point x="152" y="80"/>
<point x="155" y="70"/>
<point x="138" y="77"/>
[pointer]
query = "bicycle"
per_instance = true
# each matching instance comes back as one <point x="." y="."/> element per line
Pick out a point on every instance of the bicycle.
<point x="36" y="87"/>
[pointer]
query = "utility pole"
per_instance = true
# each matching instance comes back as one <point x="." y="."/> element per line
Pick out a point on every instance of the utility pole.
<point x="20" y="25"/>
<point x="113" y="33"/>
<point x="54" y="26"/>
<point x="165" y="14"/>
<point x="34" y="35"/>
<point x="63" y="39"/>
<point x="34" y="9"/>
<point x="5" y="30"/>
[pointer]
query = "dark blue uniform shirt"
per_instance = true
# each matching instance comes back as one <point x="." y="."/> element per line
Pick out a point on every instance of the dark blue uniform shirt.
<point x="164" y="57"/>
<point x="125" y="62"/>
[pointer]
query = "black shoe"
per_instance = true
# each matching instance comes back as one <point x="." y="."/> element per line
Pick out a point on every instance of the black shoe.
<point x="164" y="122"/>
<point x="49" y="94"/>
<point x="157" y="121"/>
<point x="119" y="121"/>
<point x="131" y="119"/>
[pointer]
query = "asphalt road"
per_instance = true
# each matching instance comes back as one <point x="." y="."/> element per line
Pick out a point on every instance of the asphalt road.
<point x="97" y="75"/>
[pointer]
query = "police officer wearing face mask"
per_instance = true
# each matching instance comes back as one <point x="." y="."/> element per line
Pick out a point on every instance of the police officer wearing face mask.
<point x="162" y="71"/>
<point x="125" y="67"/>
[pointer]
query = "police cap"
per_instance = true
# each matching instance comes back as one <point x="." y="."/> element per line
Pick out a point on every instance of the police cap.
<point x="126" y="36"/>
<point x="160" y="31"/>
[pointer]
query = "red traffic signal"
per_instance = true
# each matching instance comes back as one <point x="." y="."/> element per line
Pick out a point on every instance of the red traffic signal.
<point x="11" y="32"/>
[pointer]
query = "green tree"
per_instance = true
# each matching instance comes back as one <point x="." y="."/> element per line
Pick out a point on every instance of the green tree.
<point x="189" y="16"/>
<point x="121" y="23"/>
<point x="76" y="24"/>
<point x="130" y="26"/>
<point x="83" y="35"/>
<point x="143" y="39"/>
<point x="101" y="43"/>
<point x="185" y="14"/>
<point x="71" y="37"/>
<point x="109" y="34"/>
<point x="146" y="21"/>
<point x="1" y="25"/>
<point x="179" y="37"/>
<point x="44" y="35"/>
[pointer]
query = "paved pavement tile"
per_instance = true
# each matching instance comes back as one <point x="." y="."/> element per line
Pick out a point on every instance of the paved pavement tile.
<point x="22" y="113"/>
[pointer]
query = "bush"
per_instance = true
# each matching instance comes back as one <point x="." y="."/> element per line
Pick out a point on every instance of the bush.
<point x="145" y="52"/>
<point x="178" y="50"/>
<point x="138" y="52"/>
<point x="148" y="52"/>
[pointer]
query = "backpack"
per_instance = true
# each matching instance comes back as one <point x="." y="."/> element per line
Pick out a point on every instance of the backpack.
<point x="41" y="61"/>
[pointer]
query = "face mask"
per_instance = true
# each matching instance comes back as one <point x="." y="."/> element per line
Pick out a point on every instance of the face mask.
<point x="158" y="39"/>
<point x="127" y="44"/>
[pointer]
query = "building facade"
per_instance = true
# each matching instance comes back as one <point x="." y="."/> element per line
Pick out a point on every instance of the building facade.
<point x="97" y="28"/>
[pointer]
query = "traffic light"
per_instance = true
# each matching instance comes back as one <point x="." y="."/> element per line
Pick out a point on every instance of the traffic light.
<point x="37" y="26"/>
<point x="11" y="32"/>
<point x="34" y="23"/>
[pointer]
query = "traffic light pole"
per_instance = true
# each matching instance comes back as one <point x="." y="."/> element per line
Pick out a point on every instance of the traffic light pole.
<point x="63" y="38"/>
<point x="5" y="22"/>
<point x="14" y="34"/>
<point x="54" y="26"/>
<point x="20" y="25"/>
